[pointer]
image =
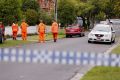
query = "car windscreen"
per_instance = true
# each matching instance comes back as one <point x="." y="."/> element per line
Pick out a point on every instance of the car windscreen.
<point x="102" y="28"/>
<point x="73" y="27"/>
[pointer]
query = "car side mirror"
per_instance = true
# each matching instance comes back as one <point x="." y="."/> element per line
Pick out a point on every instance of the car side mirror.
<point x="90" y="29"/>
<point x="113" y="31"/>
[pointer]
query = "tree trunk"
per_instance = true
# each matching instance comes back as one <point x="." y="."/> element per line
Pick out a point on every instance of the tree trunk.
<point x="88" y="23"/>
<point x="92" y="21"/>
<point x="84" y="22"/>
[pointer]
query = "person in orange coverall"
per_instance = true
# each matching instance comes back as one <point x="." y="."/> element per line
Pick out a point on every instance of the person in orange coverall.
<point x="54" y="29"/>
<point x="41" y="31"/>
<point x="24" y="26"/>
<point x="14" y="30"/>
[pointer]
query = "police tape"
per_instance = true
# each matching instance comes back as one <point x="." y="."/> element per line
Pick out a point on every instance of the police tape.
<point x="58" y="57"/>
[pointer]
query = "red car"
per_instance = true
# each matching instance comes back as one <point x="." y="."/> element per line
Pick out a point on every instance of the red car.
<point x="74" y="30"/>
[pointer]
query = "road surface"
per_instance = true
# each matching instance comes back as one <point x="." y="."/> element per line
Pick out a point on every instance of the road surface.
<point x="70" y="44"/>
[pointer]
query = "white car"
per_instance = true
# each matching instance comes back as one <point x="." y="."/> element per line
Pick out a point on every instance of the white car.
<point x="102" y="33"/>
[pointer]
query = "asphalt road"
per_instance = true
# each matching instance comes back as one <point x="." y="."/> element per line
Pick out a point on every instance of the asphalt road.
<point x="71" y="44"/>
<point x="15" y="71"/>
<point x="25" y="71"/>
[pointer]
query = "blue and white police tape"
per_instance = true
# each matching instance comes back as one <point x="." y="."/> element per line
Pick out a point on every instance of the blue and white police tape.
<point x="58" y="57"/>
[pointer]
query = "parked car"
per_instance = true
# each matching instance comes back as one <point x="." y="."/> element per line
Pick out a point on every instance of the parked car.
<point x="2" y="30"/>
<point x="115" y="21"/>
<point x="74" y="30"/>
<point x="1" y="36"/>
<point x="102" y="33"/>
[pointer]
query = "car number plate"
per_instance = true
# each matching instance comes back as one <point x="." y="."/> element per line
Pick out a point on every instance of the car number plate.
<point x="72" y="30"/>
<point x="98" y="38"/>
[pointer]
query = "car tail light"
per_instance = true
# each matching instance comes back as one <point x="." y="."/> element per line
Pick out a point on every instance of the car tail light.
<point x="66" y="30"/>
<point x="79" y="29"/>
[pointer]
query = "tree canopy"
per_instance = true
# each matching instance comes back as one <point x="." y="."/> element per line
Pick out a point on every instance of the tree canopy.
<point x="9" y="11"/>
<point x="30" y="4"/>
<point x="68" y="10"/>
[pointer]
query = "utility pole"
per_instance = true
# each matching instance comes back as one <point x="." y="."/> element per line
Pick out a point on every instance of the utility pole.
<point x="55" y="10"/>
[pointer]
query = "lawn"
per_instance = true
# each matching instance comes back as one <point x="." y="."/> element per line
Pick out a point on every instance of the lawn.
<point x="47" y="37"/>
<point x="10" y="43"/>
<point x="30" y="39"/>
<point x="103" y="73"/>
<point x="116" y="50"/>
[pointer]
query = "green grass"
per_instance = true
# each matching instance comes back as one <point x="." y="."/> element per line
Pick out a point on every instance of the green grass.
<point x="47" y="37"/>
<point x="103" y="73"/>
<point x="11" y="43"/>
<point x="116" y="50"/>
<point x="31" y="39"/>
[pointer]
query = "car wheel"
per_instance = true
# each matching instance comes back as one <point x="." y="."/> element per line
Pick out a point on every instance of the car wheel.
<point x="89" y="41"/>
<point x="80" y="35"/>
<point x="113" y="41"/>
<point x="70" y="36"/>
<point x="83" y="34"/>
<point x="1" y="39"/>
<point x="110" y="42"/>
<point x="67" y="36"/>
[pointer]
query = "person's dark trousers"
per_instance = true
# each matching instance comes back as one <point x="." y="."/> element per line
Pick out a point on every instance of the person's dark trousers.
<point x="55" y="35"/>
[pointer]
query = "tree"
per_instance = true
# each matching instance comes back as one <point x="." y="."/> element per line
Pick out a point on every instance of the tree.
<point x="46" y="17"/>
<point x="32" y="17"/>
<point x="83" y="10"/>
<point x="94" y="10"/>
<point x="30" y="4"/>
<point x="9" y="11"/>
<point x="30" y="11"/>
<point x="117" y="8"/>
<point x="66" y="11"/>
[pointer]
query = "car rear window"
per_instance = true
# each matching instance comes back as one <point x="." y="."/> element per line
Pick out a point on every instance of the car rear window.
<point x="75" y="27"/>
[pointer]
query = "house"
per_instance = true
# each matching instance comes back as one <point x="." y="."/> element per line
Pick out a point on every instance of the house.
<point x="46" y="5"/>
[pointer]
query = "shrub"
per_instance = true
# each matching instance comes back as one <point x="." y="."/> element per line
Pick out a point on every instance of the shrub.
<point x="32" y="17"/>
<point x="46" y="17"/>
<point x="30" y="4"/>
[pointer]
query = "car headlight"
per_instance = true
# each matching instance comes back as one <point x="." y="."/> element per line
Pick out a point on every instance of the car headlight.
<point x="107" y="35"/>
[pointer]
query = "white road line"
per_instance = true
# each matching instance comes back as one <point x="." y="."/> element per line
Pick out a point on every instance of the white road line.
<point x="114" y="46"/>
<point x="79" y="76"/>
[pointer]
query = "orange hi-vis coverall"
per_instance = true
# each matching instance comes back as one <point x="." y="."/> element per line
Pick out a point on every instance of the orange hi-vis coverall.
<point x="24" y="30"/>
<point x="14" y="30"/>
<point x="54" y="30"/>
<point x="41" y="31"/>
